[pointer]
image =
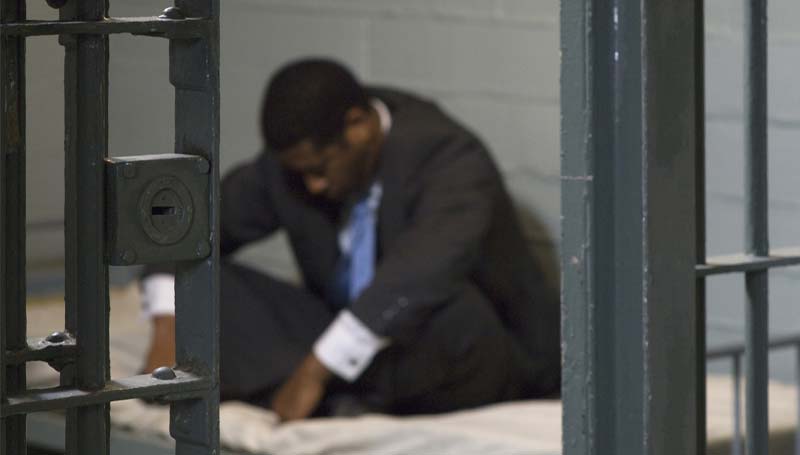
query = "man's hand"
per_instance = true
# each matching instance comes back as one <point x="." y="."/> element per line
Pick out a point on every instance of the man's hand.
<point x="301" y="393"/>
<point x="162" y="343"/>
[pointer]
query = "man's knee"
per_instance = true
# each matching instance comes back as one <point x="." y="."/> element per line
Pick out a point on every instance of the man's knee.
<point x="460" y="358"/>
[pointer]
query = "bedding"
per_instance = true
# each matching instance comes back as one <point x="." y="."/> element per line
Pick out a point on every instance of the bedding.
<point x="527" y="427"/>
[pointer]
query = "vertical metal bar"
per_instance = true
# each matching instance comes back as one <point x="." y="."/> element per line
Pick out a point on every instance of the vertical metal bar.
<point x="736" y="443"/>
<point x="582" y="426"/>
<point x="756" y="361"/>
<point x="92" y="368"/>
<point x="68" y="376"/>
<point x="797" y="381"/>
<point x="86" y="143"/>
<point x="700" y="220"/>
<point x="194" y="72"/>
<point x="12" y="221"/>
<point x="628" y="201"/>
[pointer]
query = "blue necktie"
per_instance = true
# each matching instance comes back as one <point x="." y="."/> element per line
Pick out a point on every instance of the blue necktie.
<point x="356" y="267"/>
<point x="362" y="252"/>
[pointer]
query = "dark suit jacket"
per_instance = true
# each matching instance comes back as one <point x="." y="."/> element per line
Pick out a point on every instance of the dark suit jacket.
<point x="445" y="221"/>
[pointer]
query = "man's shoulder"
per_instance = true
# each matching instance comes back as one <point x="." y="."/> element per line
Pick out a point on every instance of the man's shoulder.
<point x="396" y="98"/>
<point x="417" y="121"/>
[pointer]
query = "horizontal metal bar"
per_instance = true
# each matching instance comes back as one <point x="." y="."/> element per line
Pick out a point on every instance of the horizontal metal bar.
<point x="143" y="386"/>
<point x="733" y="263"/>
<point x="39" y="349"/>
<point x="738" y="349"/>
<point x="153" y="26"/>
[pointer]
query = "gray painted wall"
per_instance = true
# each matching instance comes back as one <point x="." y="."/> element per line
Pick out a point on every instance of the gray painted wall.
<point x="492" y="63"/>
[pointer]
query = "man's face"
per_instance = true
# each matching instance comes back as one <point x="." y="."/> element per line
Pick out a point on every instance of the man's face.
<point x="342" y="167"/>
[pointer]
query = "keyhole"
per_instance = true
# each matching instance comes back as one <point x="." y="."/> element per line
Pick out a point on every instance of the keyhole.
<point x="167" y="211"/>
<point x="158" y="210"/>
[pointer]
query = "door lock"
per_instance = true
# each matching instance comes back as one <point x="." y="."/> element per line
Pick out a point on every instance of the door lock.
<point x="166" y="210"/>
<point x="157" y="209"/>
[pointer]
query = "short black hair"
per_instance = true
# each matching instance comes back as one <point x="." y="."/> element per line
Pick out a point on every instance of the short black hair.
<point x="308" y="99"/>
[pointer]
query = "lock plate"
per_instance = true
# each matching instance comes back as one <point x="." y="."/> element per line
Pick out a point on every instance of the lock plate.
<point x="157" y="209"/>
<point x="166" y="210"/>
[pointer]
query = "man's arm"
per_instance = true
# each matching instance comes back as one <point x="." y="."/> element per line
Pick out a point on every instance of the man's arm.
<point x="247" y="214"/>
<point x="300" y="395"/>
<point x="158" y="304"/>
<point x="162" y="343"/>
<point x="420" y="272"/>
<point x="425" y="266"/>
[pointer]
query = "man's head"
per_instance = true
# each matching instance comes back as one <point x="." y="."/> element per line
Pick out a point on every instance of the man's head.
<point x="318" y="120"/>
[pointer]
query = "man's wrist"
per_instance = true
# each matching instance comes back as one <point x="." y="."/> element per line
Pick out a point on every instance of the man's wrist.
<point x="347" y="346"/>
<point x="158" y="295"/>
<point x="312" y="367"/>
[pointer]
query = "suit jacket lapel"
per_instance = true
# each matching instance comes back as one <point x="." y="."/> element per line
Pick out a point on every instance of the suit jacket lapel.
<point x="314" y="236"/>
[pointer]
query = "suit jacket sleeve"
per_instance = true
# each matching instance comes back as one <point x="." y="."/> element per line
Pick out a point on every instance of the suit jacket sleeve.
<point x="247" y="212"/>
<point x="431" y="259"/>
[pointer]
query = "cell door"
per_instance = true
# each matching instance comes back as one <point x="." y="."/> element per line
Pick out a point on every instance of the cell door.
<point x="118" y="211"/>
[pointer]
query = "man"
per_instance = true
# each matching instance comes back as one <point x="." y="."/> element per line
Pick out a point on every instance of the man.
<point x="420" y="293"/>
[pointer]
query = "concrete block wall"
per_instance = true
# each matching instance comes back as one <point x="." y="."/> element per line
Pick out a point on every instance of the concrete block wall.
<point x="492" y="63"/>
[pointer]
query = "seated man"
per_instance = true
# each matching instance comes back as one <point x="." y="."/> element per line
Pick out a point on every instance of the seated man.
<point x="420" y="292"/>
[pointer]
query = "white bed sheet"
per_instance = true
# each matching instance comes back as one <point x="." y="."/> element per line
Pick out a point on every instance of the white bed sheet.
<point x="528" y="427"/>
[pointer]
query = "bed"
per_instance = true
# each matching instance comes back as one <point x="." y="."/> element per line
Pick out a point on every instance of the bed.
<point x="526" y="427"/>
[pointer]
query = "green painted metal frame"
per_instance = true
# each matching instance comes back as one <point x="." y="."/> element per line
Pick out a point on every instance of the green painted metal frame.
<point x="629" y="140"/>
<point x="194" y="72"/>
<point x="597" y="71"/>
<point x="82" y="356"/>
<point x="757" y="233"/>
<point x="700" y="224"/>
<point x="12" y="217"/>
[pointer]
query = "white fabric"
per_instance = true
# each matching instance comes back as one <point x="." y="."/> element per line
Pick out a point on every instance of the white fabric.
<point x="525" y="427"/>
<point x="158" y="295"/>
<point x="383" y="114"/>
<point x="347" y="346"/>
<point x="530" y="428"/>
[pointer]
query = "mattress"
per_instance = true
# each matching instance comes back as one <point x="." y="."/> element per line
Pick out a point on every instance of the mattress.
<point x="525" y="427"/>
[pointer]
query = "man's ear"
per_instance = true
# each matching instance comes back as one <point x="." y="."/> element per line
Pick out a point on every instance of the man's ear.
<point x="357" y="126"/>
<point x="355" y="115"/>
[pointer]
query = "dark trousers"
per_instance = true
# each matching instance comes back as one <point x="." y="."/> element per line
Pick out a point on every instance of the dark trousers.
<point x="463" y="356"/>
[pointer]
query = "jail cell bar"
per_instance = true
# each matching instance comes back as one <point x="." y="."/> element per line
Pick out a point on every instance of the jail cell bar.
<point x="12" y="217"/>
<point x="756" y="241"/>
<point x="757" y="258"/>
<point x="629" y="136"/>
<point x="80" y="352"/>
<point x="700" y="223"/>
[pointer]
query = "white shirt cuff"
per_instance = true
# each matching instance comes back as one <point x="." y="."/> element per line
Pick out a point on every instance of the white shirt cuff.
<point x="158" y="295"/>
<point x="347" y="346"/>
